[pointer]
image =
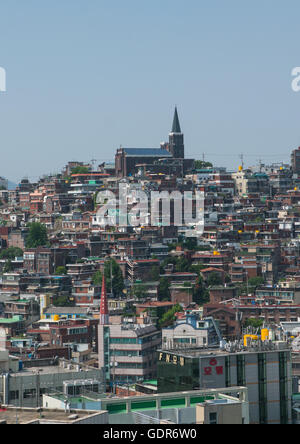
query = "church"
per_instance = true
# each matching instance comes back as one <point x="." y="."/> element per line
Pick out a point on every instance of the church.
<point x="168" y="159"/>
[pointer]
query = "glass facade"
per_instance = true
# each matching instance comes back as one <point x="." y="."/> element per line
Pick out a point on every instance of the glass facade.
<point x="262" y="388"/>
<point x="176" y="373"/>
<point x="283" y="384"/>
<point x="257" y="371"/>
<point x="240" y="368"/>
<point x="227" y="371"/>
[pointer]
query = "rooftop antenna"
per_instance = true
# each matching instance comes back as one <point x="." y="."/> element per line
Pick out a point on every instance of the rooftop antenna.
<point x="242" y="160"/>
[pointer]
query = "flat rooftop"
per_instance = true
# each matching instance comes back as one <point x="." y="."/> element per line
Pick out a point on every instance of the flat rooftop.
<point x="57" y="369"/>
<point x="201" y="353"/>
<point x="10" y="415"/>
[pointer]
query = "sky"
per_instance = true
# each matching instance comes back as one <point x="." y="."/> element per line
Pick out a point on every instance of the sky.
<point x="86" y="76"/>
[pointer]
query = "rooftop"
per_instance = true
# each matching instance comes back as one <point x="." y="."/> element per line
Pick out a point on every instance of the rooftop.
<point x="211" y="352"/>
<point x="147" y="152"/>
<point x="11" y="415"/>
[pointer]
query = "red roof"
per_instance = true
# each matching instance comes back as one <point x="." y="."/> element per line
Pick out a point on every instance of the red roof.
<point x="156" y="304"/>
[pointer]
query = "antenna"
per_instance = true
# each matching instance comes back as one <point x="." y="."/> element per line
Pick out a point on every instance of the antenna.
<point x="93" y="161"/>
<point x="242" y="160"/>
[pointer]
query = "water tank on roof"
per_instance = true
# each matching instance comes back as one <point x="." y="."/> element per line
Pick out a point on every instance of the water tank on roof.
<point x="264" y="334"/>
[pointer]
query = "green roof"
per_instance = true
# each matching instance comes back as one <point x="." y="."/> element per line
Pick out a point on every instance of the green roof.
<point x="151" y="382"/>
<point x="11" y="320"/>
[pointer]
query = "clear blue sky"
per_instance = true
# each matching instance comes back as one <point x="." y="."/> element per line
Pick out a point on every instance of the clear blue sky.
<point x="86" y="76"/>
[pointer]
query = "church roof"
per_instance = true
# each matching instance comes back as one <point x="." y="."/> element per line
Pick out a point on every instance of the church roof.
<point x="147" y="152"/>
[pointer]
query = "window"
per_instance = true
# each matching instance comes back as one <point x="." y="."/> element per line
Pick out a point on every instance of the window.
<point x="29" y="393"/>
<point x="14" y="395"/>
<point x="213" y="419"/>
<point x="123" y="340"/>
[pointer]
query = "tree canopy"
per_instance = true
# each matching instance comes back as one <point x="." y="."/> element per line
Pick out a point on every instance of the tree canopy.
<point x="199" y="164"/>
<point x="11" y="253"/>
<point x="169" y="317"/>
<point x="164" y="290"/>
<point x="80" y="170"/>
<point x="111" y="267"/>
<point x="37" y="235"/>
<point x="60" y="271"/>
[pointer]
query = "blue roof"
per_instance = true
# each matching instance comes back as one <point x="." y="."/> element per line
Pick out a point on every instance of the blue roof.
<point x="147" y="152"/>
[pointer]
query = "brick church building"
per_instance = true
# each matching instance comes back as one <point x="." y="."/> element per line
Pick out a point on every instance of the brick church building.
<point x="168" y="159"/>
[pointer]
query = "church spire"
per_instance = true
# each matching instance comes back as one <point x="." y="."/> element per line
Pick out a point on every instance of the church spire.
<point x="104" y="316"/>
<point x="176" y="125"/>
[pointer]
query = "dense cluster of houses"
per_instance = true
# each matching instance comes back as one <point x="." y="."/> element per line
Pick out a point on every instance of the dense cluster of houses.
<point x="244" y="265"/>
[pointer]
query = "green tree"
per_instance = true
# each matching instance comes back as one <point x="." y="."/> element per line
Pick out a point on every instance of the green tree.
<point x="62" y="301"/>
<point x="164" y="290"/>
<point x="255" y="281"/>
<point x="197" y="268"/>
<point x="254" y="322"/>
<point x="11" y="253"/>
<point x="169" y="317"/>
<point x="37" y="235"/>
<point x="199" y="164"/>
<point x="80" y="170"/>
<point x="60" y="271"/>
<point x="97" y="278"/>
<point x="111" y="268"/>
<point x="182" y="265"/>
<point x="154" y="273"/>
<point x="200" y="292"/>
<point x="139" y="291"/>
<point x="214" y="279"/>
<point x="8" y="267"/>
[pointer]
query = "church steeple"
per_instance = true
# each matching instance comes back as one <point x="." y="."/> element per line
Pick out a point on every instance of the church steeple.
<point x="176" y="138"/>
<point x="176" y="125"/>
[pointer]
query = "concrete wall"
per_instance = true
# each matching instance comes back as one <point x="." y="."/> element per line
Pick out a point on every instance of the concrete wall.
<point x="48" y="381"/>
<point x="177" y="416"/>
<point x="230" y="413"/>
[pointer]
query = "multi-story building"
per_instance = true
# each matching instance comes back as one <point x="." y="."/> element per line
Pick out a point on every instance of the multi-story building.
<point x="44" y="260"/>
<point x="25" y="387"/>
<point x="267" y="373"/>
<point x="295" y="161"/>
<point x="132" y="351"/>
<point x="190" y="332"/>
<point x="126" y="350"/>
<point x="247" y="182"/>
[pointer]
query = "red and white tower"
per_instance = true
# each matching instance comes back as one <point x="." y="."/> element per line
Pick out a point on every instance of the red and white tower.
<point x="104" y="315"/>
